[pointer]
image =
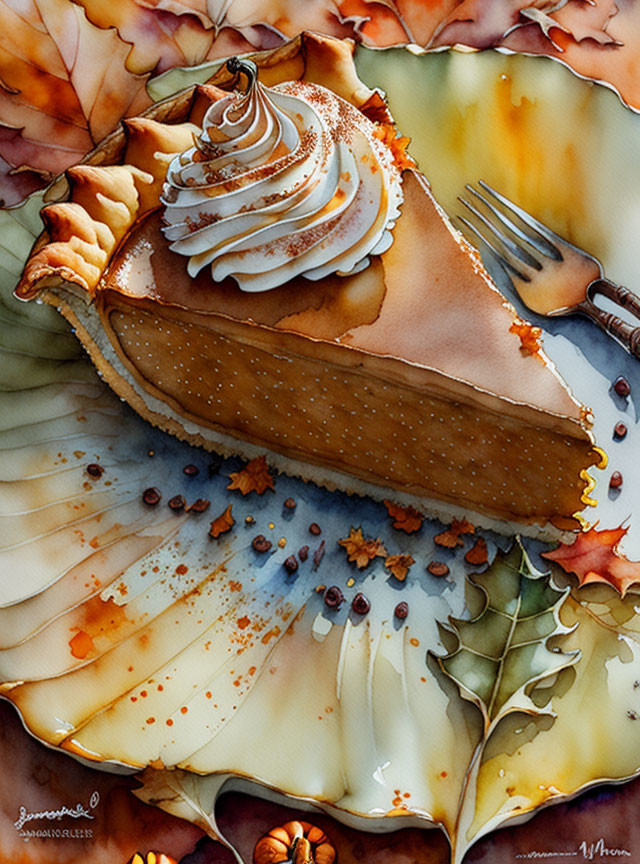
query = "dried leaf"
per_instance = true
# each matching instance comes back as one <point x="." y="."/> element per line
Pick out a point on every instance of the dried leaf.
<point x="65" y="86"/>
<point x="406" y="519"/>
<point x="528" y="334"/>
<point x="398" y="145"/>
<point x="361" y="550"/>
<point x="594" y="557"/>
<point x="478" y="553"/>
<point x="399" y="565"/>
<point x="286" y="18"/>
<point x="254" y="477"/>
<point x="452" y="536"/>
<point x="223" y="523"/>
<point x="161" y="35"/>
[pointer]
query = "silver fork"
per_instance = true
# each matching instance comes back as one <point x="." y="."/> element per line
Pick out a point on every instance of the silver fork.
<point x="551" y="276"/>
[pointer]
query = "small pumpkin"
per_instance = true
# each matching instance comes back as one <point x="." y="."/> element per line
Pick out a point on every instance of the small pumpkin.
<point x="152" y="858"/>
<point x="295" y="843"/>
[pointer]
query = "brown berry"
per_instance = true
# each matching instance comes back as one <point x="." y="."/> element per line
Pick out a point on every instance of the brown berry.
<point x="191" y="470"/>
<point x="333" y="597"/>
<point x="622" y="386"/>
<point x="151" y="496"/>
<point x="290" y="504"/>
<point x="615" y="482"/>
<point x="177" y="502"/>
<point x="95" y="470"/>
<point x="199" y="505"/>
<point x="438" y="568"/>
<point x="260" y="543"/>
<point x="360" y="604"/>
<point x="620" y="430"/>
<point x="314" y="528"/>
<point x="290" y="564"/>
<point x="402" y="610"/>
<point x="303" y="553"/>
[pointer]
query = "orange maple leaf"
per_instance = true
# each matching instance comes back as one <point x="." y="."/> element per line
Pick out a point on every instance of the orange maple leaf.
<point x="452" y="536"/>
<point x="478" y="553"/>
<point x="361" y="550"/>
<point x="223" y="523"/>
<point x="594" y="557"/>
<point x="399" y="565"/>
<point x="405" y="518"/>
<point x="398" y="145"/>
<point x="254" y="477"/>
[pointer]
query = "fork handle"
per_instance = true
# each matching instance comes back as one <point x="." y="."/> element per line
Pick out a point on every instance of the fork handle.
<point x="626" y="334"/>
<point x="618" y="293"/>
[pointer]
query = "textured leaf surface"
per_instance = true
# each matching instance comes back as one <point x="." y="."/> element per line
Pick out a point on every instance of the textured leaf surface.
<point x="504" y="651"/>
<point x="594" y="557"/>
<point x="65" y="86"/>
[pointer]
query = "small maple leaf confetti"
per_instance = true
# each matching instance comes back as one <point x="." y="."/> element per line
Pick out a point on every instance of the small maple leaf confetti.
<point x="254" y="477"/>
<point x="478" y="553"/>
<point x="406" y="519"/>
<point x="594" y="557"/>
<point x="398" y="145"/>
<point x="361" y="550"/>
<point x="528" y="334"/>
<point x="452" y="537"/>
<point x="399" y="565"/>
<point x="223" y="523"/>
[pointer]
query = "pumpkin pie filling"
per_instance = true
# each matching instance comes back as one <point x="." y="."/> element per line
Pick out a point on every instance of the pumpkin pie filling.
<point x="404" y="376"/>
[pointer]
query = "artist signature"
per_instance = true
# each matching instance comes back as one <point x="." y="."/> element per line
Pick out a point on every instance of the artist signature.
<point x="77" y="812"/>
<point x="586" y="851"/>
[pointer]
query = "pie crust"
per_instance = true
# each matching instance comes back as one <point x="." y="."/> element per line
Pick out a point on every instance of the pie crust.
<point x="407" y="380"/>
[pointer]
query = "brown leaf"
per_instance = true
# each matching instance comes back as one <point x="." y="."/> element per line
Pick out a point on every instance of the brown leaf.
<point x="65" y="86"/>
<point x="361" y="550"/>
<point x="162" y="35"/>
<point x="452" y="536"/>
<point x="223" y="523"/>
<point x="254" y="477"/>
<point x="478" y="553"/>
<point x="399" y="565"/>
<point x="284" y="17"/>
<point x="594" y="557"/>
<point x="406" y="519"/>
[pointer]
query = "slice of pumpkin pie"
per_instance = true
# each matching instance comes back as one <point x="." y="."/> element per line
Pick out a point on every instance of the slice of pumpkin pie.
<point x="255" y="264"/>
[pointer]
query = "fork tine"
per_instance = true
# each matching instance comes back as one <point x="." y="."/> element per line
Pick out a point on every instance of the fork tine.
<point x="507" y="242"/>
<point x="543" y="240"/>
<point x="502" y="259"/>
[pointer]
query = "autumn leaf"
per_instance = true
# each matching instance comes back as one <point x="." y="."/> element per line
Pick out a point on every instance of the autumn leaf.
<point x="478" y="553"/>
<point x="452" y="536"/>
<point x="64" y="87"/>
<point x="223" y="523"/>
<point x="529" y="336"/>
<point x="406" y="519"/>
<point x="162" y="34"/>
<point x="594" y="557"/>
<point x="361" y="550"/>
<point x="399" y="565"/>
<point x="496" y="666"/>
<point x="254" y="477"/>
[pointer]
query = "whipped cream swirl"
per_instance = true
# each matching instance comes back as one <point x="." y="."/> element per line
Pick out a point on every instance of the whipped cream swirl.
<point x="284" y="181"/>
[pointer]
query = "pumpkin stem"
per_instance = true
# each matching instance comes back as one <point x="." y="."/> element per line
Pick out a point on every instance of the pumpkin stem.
<point x="301" y="851"/>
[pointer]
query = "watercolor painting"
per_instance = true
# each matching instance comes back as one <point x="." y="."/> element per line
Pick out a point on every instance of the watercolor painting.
<point x="260" y="600"/>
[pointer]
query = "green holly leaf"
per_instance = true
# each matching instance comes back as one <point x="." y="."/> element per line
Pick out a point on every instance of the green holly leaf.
<point x="505" y="651"/>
